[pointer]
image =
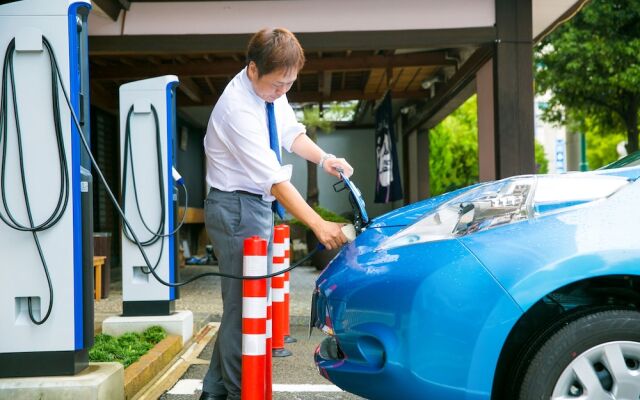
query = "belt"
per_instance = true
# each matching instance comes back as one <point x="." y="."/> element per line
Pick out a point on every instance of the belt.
<point x="244" y="192"/>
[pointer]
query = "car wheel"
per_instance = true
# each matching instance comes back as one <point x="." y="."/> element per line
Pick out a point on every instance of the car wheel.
<point x="594" y="357"/>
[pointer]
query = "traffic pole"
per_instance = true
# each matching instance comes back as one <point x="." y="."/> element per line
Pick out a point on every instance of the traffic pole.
<point x="277" y="287"/>
<point x="268" y="389"/>
<point x="287" y="261"/>
<point x="254" y="319"/>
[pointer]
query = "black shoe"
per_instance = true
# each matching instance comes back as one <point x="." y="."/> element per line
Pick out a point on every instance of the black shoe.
<point x="209" y="396"/>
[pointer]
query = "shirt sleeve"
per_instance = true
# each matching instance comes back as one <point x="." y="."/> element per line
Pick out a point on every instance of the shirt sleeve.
<point x="250" y="147"/>
<point x="291" y="127"/>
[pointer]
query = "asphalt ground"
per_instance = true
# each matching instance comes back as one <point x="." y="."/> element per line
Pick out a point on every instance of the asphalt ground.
<point x="203" y="298"/>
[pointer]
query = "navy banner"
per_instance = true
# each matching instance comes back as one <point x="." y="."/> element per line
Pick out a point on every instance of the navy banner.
<point x="388" y="186"/>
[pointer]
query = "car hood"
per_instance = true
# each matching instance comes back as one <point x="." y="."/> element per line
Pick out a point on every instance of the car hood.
<point x="411" y="213"/>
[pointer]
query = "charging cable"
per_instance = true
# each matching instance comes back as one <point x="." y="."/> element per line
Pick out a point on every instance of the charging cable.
<point x="128" y="163"/>
<point x="63" y="195"/>
<point x="345" y="228"/>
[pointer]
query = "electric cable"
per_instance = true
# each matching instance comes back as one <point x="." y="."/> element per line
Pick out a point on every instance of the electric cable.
<point x="126" y="222"/>
<point x="128" y="163"/>
<point x="63" y="196"/>
<point x="60" y="208"/>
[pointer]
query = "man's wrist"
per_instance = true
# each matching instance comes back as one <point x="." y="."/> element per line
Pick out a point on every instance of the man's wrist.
<point x="324" y="158"/>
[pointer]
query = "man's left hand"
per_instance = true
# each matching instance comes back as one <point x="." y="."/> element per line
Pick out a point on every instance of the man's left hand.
<point x="332" y="165"/>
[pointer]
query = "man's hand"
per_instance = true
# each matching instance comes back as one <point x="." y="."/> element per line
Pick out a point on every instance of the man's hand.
<point x="331" y="166"/>
<point x="330" y="234"/>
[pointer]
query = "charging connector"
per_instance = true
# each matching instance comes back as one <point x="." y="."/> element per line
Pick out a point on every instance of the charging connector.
<point x="350" y="232"/>
<point x="176" y="176"/>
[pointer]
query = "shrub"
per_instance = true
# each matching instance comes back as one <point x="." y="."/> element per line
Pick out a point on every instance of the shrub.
<point x="327" y="215"/>
<point x="125" y="349"/>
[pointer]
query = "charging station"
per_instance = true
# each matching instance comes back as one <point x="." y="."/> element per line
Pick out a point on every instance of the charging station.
<point x="46" y="277"/>
<point x="147" y="154"/>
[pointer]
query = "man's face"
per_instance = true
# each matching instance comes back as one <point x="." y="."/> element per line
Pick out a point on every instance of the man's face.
<point x="272" y="85"/>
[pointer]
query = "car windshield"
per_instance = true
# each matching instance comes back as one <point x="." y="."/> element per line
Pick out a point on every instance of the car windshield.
<point x="632" y="160"/>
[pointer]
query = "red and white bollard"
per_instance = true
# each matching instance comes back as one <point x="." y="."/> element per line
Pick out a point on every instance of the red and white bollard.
<point x="254" y="319"/>
<point x="268" y="388"/>
<point x="277" y="287"/>
<point x="287" y="262"/>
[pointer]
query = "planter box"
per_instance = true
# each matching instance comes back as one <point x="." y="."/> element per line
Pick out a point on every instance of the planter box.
<point x="141" y="372"/>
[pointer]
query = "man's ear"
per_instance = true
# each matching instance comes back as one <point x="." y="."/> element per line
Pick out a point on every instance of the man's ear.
<point x="252" y="70"/>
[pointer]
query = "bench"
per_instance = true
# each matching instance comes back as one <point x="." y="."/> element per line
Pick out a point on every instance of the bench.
<point x="98" y="262"/>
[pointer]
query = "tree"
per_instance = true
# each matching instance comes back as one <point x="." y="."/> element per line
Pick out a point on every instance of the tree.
<point x="453" y="150"/>
<point x="602" y="146"/>
<point x="602" y="149"/>
<point x="591" y="67"/>
<point x="542" y="164"/>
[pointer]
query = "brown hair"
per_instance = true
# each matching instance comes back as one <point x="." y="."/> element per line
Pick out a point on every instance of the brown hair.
<point x="274" y="49"/>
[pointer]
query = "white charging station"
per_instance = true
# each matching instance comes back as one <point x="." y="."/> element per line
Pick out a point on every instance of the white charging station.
<point x="147" y="154"/>
<point x="46" y="277"/>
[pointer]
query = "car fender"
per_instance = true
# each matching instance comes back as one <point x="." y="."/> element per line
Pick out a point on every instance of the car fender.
<point x="535" y="257"/>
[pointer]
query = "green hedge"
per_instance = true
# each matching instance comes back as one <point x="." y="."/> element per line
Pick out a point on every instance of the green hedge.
<point x="125" y="349"/>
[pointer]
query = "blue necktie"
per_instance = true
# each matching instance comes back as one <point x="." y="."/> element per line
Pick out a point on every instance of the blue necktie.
<point x="275" y="146"/>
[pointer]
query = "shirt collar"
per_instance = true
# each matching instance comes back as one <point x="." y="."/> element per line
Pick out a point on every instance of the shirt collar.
<point x="246" y="82"/>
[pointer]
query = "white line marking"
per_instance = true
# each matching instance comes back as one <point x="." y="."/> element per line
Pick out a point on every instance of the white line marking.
<point x="190" y="386"/>
<point x="305" y="388"/>
<point x="186" y="386"/>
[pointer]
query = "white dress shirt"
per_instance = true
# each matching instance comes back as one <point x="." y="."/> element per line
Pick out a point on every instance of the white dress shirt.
<point x="237" y="140"/>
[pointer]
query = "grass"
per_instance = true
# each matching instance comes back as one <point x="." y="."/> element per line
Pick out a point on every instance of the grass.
<point x="125" y="349"/>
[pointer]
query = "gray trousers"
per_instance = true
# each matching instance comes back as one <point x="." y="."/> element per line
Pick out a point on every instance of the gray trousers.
<point x="230" y="217"/>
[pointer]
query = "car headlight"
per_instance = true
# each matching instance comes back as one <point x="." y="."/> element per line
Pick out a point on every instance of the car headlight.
<point x="504" y="202"/>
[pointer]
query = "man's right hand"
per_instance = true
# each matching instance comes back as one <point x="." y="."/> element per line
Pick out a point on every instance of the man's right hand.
<point x="330" y="234"/>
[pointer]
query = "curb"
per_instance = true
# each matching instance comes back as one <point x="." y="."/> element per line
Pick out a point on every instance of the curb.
<point x="138" y="374"/>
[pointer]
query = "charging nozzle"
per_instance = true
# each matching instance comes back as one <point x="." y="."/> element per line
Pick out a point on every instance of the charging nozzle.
<point x="176" y="176"/>
<point x="350" y="232"/>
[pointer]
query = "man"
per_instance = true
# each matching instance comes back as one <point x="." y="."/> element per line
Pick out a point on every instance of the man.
<point x="249" y="124"/>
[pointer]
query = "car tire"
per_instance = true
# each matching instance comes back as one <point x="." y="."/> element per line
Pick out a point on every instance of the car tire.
<point x="596" y="356"/>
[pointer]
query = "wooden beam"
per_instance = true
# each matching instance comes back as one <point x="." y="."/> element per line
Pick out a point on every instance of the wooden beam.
<point x="316" y="97"/>
<point x="311" y="41"/>
<point x="212" y="88"/>
<point x="513" y="94"/>
<point x="190" y="89"/>
<point x="111" y="8"/>
<point x="103" y="98"/>
<point x="193" y="215"/>
<point x="456" y="84"/>
<point x="227" y="67"/>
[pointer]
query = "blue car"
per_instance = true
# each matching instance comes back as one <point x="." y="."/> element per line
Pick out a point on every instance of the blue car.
<point x="522" y="288"/>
